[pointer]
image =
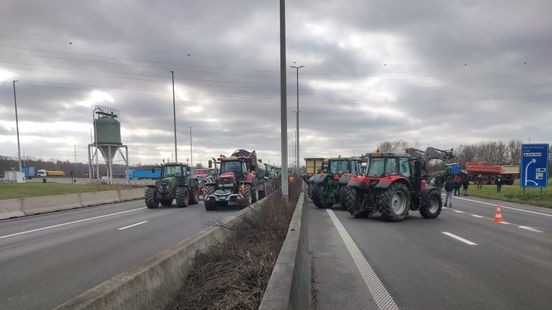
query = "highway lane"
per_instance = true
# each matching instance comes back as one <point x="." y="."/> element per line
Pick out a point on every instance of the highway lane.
<point x="47" y="259"/>
<point x="459" y="261"/>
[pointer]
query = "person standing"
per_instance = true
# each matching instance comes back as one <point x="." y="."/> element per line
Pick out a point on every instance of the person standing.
<point x="449" y="188"/>
<point x="457" y="186"/>
<point x="465" y="184"/>
<point x="479" y="180"/>
<point x="498" y="184"/>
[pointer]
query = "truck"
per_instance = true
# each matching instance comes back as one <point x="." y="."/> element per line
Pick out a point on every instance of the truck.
<point x="240" y="178"/>
<point x="396" y="183"/>
<point x="175" y="183"/>
<point x="50" y="173"/>
<point x="29" y="172"/>
<point x="13" y="176"/>
<point x="487" y="173"/>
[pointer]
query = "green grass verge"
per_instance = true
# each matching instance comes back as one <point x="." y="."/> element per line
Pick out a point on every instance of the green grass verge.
<point x="12" y="191"/>
<point x="514" y="193"/>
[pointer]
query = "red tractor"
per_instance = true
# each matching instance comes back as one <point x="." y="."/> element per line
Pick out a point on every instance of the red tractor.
<point x="395" y="184"/>
<point x="240" y="179"/>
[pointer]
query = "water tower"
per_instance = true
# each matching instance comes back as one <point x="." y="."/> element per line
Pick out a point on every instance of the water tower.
<point x="107" y="141"/>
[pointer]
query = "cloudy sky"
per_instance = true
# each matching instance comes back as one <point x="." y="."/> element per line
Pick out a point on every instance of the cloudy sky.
<point x="440" y="73"/>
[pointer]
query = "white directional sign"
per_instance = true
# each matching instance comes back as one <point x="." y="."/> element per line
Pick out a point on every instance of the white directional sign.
<point x="534" y="165"/>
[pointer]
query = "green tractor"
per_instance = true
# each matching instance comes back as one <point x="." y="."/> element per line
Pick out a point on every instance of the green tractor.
<point x="330" y="186"/>
<point x="175" y="183"/>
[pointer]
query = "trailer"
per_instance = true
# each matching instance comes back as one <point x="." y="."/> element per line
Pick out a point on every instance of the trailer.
<point x="486" y="173"/>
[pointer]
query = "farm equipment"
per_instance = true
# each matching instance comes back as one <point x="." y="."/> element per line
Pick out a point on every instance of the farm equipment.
<point x="330" y="186"/>
<point x="240" y="178"/>
<point x="175" y="183"/>
<point x="488" y="173"/>
<point x="395" y="184"/>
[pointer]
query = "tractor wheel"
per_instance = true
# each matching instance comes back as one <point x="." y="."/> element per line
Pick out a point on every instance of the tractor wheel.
<point x="194" y="197"/>
<point x="247" y="196"/>
<point x="166" y="202"/>
<point x="255" y="195"/>
<point x="208" y="190"/>
<point x="350" y="198"/>
<point x="394" y="203"/>
<point x="211" y="205"/>
<point x="343" y="192"/>
<point x="309" y="190"/>
<point x="317" y="190"/>
<point x="431" y="205"/>
<point x="150" y="198"/>
<point x="182" y="197"/>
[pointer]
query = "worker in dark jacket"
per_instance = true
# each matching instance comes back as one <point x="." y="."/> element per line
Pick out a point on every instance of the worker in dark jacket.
<point x="499" y="184"/>
<point x="457" y="186"/>
<point x="465" y="184"/>
<point x="449" y="189"/>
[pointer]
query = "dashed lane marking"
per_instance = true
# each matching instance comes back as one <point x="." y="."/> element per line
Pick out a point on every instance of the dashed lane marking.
<point x="478" y="216"/>
<point x="458" y="211"/>
<point x="530" y="228"/>
<point x="505" y="207"/>
<point x="466" y="241"/>
<point x="133" y="225"/>
<point x="69" y="223"/>
<point x="383" y="299"/>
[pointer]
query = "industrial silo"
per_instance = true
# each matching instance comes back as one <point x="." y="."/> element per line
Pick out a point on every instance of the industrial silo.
<point x="107" y="140"/>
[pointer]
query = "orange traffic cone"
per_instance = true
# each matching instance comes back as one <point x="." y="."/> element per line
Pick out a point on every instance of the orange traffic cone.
<point x="498" y="215"/>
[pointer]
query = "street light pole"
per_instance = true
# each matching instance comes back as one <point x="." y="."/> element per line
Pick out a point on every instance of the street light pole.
<point x="17" y="126"/>
<point x="297" y="118"/>
<point x="283" y="98"/>
<point x="191" y="153"/>
<point x="174" y="119"/>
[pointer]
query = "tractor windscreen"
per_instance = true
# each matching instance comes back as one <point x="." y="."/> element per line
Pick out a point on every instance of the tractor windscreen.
<point x="172" y="171"/>
<point x="232" y="166"/>
<point x="339" y="166"/>
<point x="376" y="168"/>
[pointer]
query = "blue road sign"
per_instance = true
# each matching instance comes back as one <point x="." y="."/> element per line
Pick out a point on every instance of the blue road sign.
<point x="455" y="168"/>
<point x="534" y="165"/>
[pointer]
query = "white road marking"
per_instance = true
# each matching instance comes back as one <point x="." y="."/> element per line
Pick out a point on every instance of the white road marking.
<point x="530" y="228"/>
<point x="505" y="223"/>
<point x="133" y="225"/>
<point x="69" y="223"/>
<point x="458" y="211"/>
<point x="459" y="238"/>
<point x="383" y="299"/>
<point x="506" y="207"/>
<point x="478" y="216"/>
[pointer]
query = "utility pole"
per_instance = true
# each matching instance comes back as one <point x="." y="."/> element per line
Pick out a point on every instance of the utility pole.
<point x="283" y="98"/>
<point x="174" y="119"/>
<point x="17" y="126"/>
<point x="297" y="118"/>
<point x="191" y="153"/>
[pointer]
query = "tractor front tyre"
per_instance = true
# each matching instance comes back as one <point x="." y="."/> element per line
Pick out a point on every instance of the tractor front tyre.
<point x="194" y="197"/>
<point x="182" y="197"/>
<point x="247" y="196"/>
<point x="150" y="198"/>
<point x="431" y="205"/>
<point x="211" y="205"/>
<point x="394" y="203"/>
<point x="317" y="191"/>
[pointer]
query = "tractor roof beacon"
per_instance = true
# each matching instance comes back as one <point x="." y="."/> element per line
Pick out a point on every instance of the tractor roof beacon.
<point x="395" y="183"/>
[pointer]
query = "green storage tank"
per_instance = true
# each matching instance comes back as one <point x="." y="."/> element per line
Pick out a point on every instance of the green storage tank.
<point x="107" y="130"/>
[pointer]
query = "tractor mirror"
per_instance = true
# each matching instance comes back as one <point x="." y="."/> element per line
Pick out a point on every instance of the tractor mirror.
<point x="210" y="164"/>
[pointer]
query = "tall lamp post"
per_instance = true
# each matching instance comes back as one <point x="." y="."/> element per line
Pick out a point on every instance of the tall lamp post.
<point x="297" y="118"/>
<point x="191" y="153"/>
<point x="17" y="126"/>
<point x="174" y="119"/>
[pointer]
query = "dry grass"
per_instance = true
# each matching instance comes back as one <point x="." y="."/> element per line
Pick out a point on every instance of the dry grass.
<point x="234" y="274"/>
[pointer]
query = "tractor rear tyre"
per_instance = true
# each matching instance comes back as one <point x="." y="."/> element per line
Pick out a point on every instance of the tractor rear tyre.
<point x="166" y="202"/>
<point x="317" y="190"/>
<point x="344" y="191"/>
<point x="355" y="204"/>
<point x="194" y="197"/>
<point x="309" y="190"/>
<point x="394" y="202"/>
<point x="150" y="198"/>
<point x="431" y="205"/>
<point x="182" y="197"/>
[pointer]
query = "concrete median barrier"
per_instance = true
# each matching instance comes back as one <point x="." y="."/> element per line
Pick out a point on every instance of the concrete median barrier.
<point x="153" y="284"/>
<point x="43" y="204"/>
<point x="10" y="208"/>
<point x="131" y="194"/>
<point x="289" y="286"/>
<point x="98" y="198"/>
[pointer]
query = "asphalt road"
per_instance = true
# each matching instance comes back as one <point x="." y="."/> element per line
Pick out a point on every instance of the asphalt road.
<point x="462" y="260"/>
<point x="48" y="259"/>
